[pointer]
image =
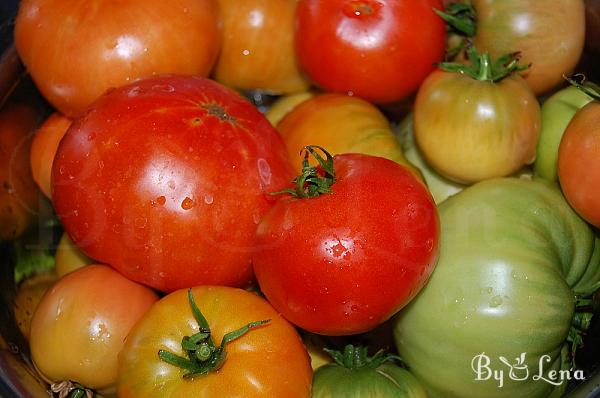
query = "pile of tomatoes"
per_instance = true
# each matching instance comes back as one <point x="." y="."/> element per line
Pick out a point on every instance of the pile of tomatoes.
<point x="245" y="186"/>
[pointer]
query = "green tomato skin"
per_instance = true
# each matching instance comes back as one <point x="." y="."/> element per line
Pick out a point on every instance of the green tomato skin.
<point x="557" y="112"/>
<point x="385" y="381"/>
<point x="513" y="253"/>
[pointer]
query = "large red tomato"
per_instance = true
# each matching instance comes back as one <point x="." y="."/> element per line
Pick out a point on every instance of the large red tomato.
<point x="76" y="50"/>
<point x="379" y="50"/>
<point x="345" y="261"/>
<point x="166" y="180"/>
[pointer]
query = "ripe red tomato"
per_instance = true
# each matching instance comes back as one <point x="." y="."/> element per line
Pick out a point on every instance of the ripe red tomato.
<point x="579" y="162"/>
<point x="165" y="179"/>
<point x="379" y="50"/>
<point x="75" y="51"/>
<point x="344" y="262"/>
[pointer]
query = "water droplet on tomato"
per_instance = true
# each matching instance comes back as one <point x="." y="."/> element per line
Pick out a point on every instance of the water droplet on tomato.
<point x="161" y="200"/>
<point x="208" y="199"/>
<point x="496" y="301"/>
<point x="166" y="88"/>
<point x="140" y="222"/>
<point x="264" y="171"/>
<point x="91" y="136"/>
<point x="188" y="203"/>
<point x="161" y="274"/>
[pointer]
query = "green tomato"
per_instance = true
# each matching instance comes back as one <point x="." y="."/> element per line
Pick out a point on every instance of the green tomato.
<point x="513" y="257"/>
<point x="557" y="112"/>
<point x="354" y="375"/>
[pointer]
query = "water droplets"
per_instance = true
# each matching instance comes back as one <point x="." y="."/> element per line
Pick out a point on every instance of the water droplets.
<point x="496" y="301"/>
<point x="187" y="203"/>
<point x="208" y="199"/>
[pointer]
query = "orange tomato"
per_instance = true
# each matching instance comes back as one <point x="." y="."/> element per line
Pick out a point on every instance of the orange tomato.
<point x="75" y="50"/>
<point x="43" y="148"/>
<point x="80" y="325"/>
<point x="340" y="124"/>
<point x="258" y="46"/>
<point x="267" y="361"/>
<point x="69" y="257"/>
<point x="579" y="162"/>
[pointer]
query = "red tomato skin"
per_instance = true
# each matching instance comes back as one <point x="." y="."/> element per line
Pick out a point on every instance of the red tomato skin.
<point x="347" y="261"/>
<point x="166" y="179"/>
<point x="579" y="163"/>
<point x="380" y="50"/>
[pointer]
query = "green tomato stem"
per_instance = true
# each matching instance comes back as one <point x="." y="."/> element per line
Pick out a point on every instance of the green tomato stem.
<point x="314" y="180"/>
<point x="357" y="357"/>
<point x="481" y="66"/>
<point x="203" y="355"/>
<point x="461" y="18"/>
<point x="589" y="88"/>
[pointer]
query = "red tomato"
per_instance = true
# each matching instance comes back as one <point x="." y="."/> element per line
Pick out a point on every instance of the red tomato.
<point x="165" y="179"/>
<point x="77" y="50"/>
<point x="81" y="323"/>
<point x="579" y="162"/>
<point x="267" y="361"/>
<point x="379" y="50"/>
<point x="344" y="262"/>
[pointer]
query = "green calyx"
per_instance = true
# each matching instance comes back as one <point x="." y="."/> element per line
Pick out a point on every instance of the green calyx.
<point x="314" y="180"/>
<point x="202" y="354"/>
<point x="482" y="67"/>
<point x="591" y="89"/>
<point x="460" y="17"/>
<point x="580" y="324"/>
<point x="69" y="389"/>
<point x="357" y="357"/>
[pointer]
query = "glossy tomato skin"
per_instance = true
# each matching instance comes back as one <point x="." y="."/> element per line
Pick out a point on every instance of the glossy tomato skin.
<point x="258" y="47"/>
<point x="379" y="50"/>
<point x="81" y="323"/>
<point x="268" y="361"/>
<point x="75" y="51"/>
<point x="505" y="26"/>
<point x="166" y="180"/>
<point x="343" y="263"/>
<point x="342" y="124"/>
<point x="469" y="130"/>
<point x="579" y="162"/>
<point x="513" y="257"/>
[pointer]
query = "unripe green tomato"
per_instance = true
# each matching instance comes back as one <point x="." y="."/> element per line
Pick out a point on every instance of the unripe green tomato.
<point x="371" y="378"/>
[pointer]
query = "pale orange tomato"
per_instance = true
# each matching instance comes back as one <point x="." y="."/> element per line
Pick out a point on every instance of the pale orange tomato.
<point x="43" y="148"/>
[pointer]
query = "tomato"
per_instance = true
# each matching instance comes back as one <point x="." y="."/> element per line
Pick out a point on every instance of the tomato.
<point x="440" y="187"/>
<point x="161" y="175"/>
<point x="557" y="112"/>
<point x="471" y="126"/>
<point x="252" y="56"/>
<point x="346" y="261"/>
<point x="579" y="162"/>
<point x="284" y="104"/>
<point x="513" y="257"/>
<point x="81" y="322"/>
<point x="69" y="257"/>
<point x="505" y="26"/>
<point x="342" y="124"/>
<point x="18" y="192"/>
<point x="355" y="375"/>
<point x="76" y="51"/>
<point x="43" y="148"/>
<point x="380" y="50"/>
<point x="267" y="361"/>
<point x="29" y="294"/>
